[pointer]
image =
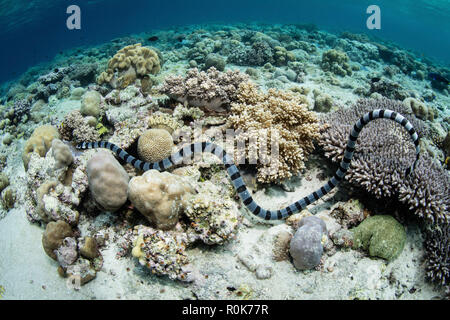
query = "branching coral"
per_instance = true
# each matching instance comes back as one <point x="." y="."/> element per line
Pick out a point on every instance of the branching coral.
<point x="383" y="153"/>
<point x="130" y="62"/>
<point x="77" y="128"/>
<point x="212" y="89"/>
<point x="437" y="246"/>
<point x="280" y="115"/>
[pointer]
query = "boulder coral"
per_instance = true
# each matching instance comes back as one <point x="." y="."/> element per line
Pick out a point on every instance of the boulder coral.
<point x="155" y="145"/>
<point x="131" y="62"/>
<point x="420" y="109"/>
<point x="39" y="142"/>
<point x="62" y="154"/>
<point x="306" y="246"/>
<point x="108" y="181"/>
<point x="160" y="197"/>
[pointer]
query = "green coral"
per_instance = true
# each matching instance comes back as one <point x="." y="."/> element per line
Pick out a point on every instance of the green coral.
<point x="382" y="236"/>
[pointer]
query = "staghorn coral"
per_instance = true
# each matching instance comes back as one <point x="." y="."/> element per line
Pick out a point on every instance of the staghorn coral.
<point x="108" y="181"/>
<point x="383" y="153"/>
<point x="280" y="115"/>
<point x="39" y="142"/>
<point x="160" y="197"/>
<point x="212" y="89"/>
<point x="155" y="145"/>
<point x="130" y="62"/>
<point x="437" y="245"/>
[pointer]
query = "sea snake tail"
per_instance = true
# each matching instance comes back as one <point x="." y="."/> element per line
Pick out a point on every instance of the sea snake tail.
<point x="236" y="179"/>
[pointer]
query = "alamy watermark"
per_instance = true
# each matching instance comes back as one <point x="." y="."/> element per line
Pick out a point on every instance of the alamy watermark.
<point x="73" y="22"/>
<point x="374" y="20"/>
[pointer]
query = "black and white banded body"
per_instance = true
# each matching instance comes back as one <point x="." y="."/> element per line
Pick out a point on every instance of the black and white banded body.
<point x="236" y="179"/>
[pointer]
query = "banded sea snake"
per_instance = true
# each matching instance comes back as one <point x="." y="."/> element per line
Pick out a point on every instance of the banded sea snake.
<point x="236" y="178"/>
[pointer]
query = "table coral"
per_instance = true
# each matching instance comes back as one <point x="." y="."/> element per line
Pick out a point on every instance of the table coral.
<point x="276" y="114"/>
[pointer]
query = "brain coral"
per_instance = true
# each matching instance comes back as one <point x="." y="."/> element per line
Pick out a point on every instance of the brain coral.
<point x="160" y="197"/>
<point x="130" y="62"/>
<point x="280" y="115"/>
<point x="108" y="181"/>
<point x="154" y="145"/>
<point x="39" y="142"/>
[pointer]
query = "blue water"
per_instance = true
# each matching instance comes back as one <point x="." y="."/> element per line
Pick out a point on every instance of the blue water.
<point x="34" y="31"/>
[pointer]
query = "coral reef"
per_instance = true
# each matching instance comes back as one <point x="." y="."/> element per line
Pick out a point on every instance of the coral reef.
<point x="383" y="153"/>
<point x="382" y="236"/>
<point x="39" y="142"/>
<point x="160" y="197"/>
<point x="130" y="62"/>
<point x="155" y="145"/>
<point x="212" y="89"/>
<point x="108" y="181"/>
<point x="279" y="115"/>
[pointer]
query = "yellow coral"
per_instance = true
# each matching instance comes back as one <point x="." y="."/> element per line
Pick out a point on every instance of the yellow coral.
<point x="39" y="142"/>
<point x="131" y="62"/>
<point x="279" y="115"/>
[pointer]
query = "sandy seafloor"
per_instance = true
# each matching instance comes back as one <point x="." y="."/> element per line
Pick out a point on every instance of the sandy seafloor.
<point x="26" y="272"/>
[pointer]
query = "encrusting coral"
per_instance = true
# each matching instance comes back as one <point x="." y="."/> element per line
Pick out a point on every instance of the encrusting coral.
<point x="383" y="153"/>
<point x="212" y="89"/>
<point x="39" y="142"/>
<point x="155" y="145"/>
<point x="382" y="236"/>
<point x="108" y="181"/>
<point x="130" y="62"/>
<point x="279" y="115"/>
